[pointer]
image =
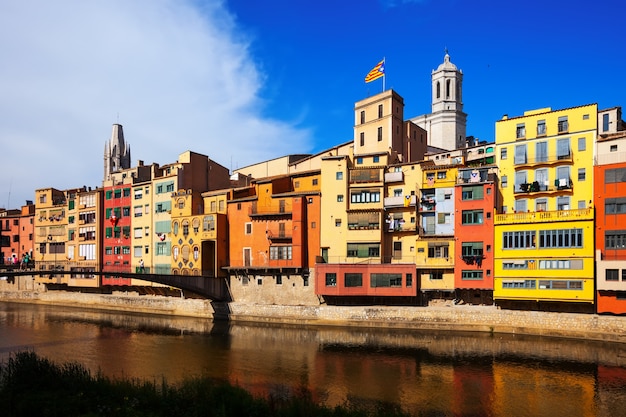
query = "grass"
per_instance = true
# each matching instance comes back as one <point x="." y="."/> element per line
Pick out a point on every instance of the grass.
<point x="34" y="386"/>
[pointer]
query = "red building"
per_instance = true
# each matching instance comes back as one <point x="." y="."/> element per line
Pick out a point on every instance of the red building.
<point x="610" y="211"/>
<point x="17" y="227"/>
<point x="475" y="199"/>
<point x="116" y="233"/>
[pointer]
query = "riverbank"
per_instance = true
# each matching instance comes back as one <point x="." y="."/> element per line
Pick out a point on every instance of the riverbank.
<point x="488" y="319"/>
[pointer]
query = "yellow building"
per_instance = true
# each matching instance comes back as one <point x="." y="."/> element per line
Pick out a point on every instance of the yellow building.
<point x="544" y="231"/>
<point x="51" y="231"/>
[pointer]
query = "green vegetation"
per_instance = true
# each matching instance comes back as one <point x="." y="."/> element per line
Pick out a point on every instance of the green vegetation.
<point x="34" y="386"/>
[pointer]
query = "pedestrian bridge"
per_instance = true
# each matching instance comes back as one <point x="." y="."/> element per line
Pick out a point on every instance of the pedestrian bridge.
<point x="214" y="288"/>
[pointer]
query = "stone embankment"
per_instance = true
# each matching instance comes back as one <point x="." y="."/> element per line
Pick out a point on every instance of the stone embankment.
<point x="448" y="317"/>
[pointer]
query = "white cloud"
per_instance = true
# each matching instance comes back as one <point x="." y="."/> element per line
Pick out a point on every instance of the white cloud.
<point x="179" y="75"/>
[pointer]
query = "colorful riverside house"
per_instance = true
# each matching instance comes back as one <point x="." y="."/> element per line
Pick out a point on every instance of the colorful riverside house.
<point x="610" y="205"/>
<point x="544" y="230"/>
<point x="51" y="227"/>
<point x="368" y="209"/>
<point x="273" y="239"/>
<point x="17" y="228"/>
<point x="435" y="257"/>
<point x="214" y="236"/>
<point x="475" y="200"/>
<point x="84" y="237"/>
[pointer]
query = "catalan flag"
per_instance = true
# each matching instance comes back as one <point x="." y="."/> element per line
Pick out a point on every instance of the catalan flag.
<point x="376" y="72"/>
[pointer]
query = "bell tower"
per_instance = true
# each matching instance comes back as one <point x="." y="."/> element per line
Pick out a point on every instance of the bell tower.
<point x="116" y="152"/>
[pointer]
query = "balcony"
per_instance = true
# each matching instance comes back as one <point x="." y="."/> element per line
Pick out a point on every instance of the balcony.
<point x="544" y="160"/>
<point x="544" y="216"/>
<point x="397" y="176"/>
<point x="277" y="209"/>
<point x="400" y="201"/>
<point x="536" y="187"/>
<point x="278" y="236"/>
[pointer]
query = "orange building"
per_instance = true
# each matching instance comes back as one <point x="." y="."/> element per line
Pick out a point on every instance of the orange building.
<point x="475" y="200"/>
<point x="274" y="238"/>
<point x="610" y="204"/>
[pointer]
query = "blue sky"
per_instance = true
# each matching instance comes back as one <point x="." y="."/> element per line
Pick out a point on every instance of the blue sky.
<point x="243" y="81"/>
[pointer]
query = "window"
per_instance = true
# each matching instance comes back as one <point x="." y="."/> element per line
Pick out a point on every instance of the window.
<point x="581" y="174"/>
<point x="339" y="175"/>
<point x="528" y="283"/>
<point x="376" y="159"/>
<point x="613" y="148"/>
<point x="362" y="138"/>
<point x="472" y="217"/>
<point x="520" y="132"/>
<point x="504" y="181"/>
<point x="248" y="228"/>
<point x="363" y="250"/>
<point x="331" y="279"/>
<point x="605" y="122"/>
<point x="541" y="127"/>
<point x="519" y="240"/>
<point x="562" y="149"/>
<point x="363" y="221"/>
<point x="380" y="111"/>
<point x="385" y="280"/>
<point x="612" y="275"/>
<point x="615" y="175"/>
<point x="474" y="192"/>
<point x="380" y="134"/>
<point x="438" y="250"/>
<point x="615" y="205"/>
<point x="560" y="285"/>
<point x="503" y="153"/>
<point x="409" y="280"/>
<point x="314" y="181"/>
<point x="472" y="275"/>
<point x="561" y="264"/>
<point x="137" y="232"/>
<point x="443" y="218"/>
<point x="541" y="180"/>
<point x="563" y="127"/>
<point x="340" y="198"/>
<point x="562" y="203"/>
<point x="280" y="252"/>
<point x="353" y="279"/>
<point x="562" y="177"/>
<point x="520" y="154"/>
<point x="561" y="238"/>
<point x="365" y="196"/>
<point x="582" y="144"/>
<point x="359" y="160"/>
<point x="521" y="206"/>
<point x="471" y="249"/>
<point x="337" y="222"/>
<point x="362" y="116"/>
<point x="521" y="182"/>
<point x="441" y="175"/>
<point x="541" y="204"/>
<point x="615" y="239"/>
<point x="541" y="151"/>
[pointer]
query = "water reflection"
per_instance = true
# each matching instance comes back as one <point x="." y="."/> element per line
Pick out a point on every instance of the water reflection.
<point x="424" y="372"/>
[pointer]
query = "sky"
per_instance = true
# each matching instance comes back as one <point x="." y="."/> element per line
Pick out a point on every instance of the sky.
<point x="243" y="81"/>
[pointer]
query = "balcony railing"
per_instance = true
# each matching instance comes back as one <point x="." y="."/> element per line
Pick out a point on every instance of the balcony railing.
<point x="544" y="160"/>
<point x="539" y="187"/>
<point x="272" y="209"/>
<point x="397" y="176"/>
<point x="544" y="216"/>
<point x="400" y="201"/>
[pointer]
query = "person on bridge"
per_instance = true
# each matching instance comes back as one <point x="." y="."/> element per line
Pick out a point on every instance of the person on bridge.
<point x="141" y="267"/>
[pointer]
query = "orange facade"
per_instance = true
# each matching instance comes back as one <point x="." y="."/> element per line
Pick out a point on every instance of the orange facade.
<point x="370" y="280"/>
<point x="272" y="228"/>
<point x="610" y="208"/>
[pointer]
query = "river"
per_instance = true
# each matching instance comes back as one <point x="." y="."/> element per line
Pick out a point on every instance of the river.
<point x="427" y="373"/>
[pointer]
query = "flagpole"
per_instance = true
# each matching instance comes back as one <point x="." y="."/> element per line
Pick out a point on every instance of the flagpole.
<point x="384" y="73"/>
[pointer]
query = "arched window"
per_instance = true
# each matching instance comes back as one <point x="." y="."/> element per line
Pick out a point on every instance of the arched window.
<point x="447" y="88"/>
<point x="175" y="252"/>
<point x="185" y="253"/>
<point x="185" y="225"/>
<point x="196" y="253"/>
<point x="181" y="203"/>
<point x="175" y="226"/>
<point x="438" y="90"/>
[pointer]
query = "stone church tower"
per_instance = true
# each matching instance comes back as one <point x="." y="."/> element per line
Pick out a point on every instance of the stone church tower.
<point x="116" y="153"/>
<point x="446" y="125"/>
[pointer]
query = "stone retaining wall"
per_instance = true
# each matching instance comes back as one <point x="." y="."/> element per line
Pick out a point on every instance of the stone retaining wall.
<point x="460" y="318"/>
